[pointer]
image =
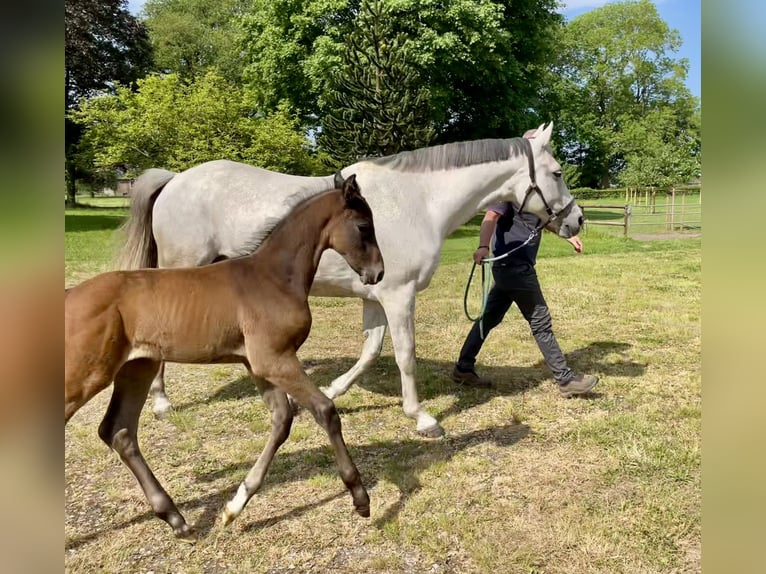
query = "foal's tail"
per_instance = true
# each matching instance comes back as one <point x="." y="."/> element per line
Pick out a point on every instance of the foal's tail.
<point x="140" y="248"/>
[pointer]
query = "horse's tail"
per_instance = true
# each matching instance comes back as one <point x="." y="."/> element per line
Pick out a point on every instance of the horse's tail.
<point x="140" y="248"/>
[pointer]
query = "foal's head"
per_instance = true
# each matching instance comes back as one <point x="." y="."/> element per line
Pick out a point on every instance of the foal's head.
<point x="352" y="233"/>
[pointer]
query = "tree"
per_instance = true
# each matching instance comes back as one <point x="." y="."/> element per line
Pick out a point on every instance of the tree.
<point x="482" y="61"/>
<point x="659" y="153"/>
<point x="174" y="124"/>
<point x="375" y="103"/>
<point x="191" y="36"/>
<point x="615" y="68"/>
<point x="104" y="44"/>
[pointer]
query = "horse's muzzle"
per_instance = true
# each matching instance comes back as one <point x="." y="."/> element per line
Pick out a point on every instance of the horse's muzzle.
<point x="372" y="276"/>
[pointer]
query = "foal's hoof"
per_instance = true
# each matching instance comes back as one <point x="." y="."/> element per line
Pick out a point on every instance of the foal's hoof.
<point x="363" y="511"/>
<point x="186" y="534"/>
<point x="434" y="431"/>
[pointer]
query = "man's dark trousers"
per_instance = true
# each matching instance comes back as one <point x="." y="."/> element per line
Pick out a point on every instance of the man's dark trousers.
<point x="518" y="284"/>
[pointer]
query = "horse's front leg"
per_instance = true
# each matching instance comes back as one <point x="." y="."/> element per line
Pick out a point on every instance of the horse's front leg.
<point x="281" y="421"/>
<point x="290" y="377"/>
<point x="400" y="311"/>
<point x="374" y="327"/>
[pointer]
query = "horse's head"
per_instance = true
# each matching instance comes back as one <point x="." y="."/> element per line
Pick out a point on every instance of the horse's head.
<point x="539" y="187"/>
<point x="352" y="233"/>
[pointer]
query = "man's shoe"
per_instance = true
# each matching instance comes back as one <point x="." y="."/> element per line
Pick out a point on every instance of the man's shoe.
<point x="578" y="385"/>
<point x="470" y="379"/>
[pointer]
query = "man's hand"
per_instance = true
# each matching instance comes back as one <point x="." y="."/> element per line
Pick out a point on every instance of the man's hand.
<point x="576" y="243"/>
<point x="480" y="254"/>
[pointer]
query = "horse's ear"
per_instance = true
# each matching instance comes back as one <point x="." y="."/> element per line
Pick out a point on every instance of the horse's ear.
<point x="529" y="134"/>
<point x="350" y="187"/>
<point x="543" y="135"/>
<point x="338" y="180"/>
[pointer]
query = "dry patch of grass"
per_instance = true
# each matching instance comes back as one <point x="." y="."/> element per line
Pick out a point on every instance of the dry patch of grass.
<point x="524" y="481"/>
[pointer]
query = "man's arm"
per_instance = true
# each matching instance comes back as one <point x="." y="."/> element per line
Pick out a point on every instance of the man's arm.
<point x="485" y="235"/>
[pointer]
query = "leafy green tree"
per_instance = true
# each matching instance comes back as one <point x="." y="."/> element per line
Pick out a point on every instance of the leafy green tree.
<point x="659" y="153"/>
<point x="616" y="68"/>
<point x="104" y="44"/>
<point x="375" y="103"/>
<point x="190" y="36"/>
<point x="481" y="60"/>
<point x="174" y="124"/>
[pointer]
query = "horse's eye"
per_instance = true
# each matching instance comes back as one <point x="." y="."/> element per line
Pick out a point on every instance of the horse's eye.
<point x="558" y="173"/>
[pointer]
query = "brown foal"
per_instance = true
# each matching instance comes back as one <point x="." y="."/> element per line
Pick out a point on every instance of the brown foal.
<point x="121" y="325"/>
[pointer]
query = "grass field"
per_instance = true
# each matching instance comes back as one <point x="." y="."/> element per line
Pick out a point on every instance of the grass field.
<point x="523" y="482"/>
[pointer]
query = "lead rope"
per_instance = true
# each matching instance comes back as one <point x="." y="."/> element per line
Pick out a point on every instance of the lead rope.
<point x="486" y="285"/>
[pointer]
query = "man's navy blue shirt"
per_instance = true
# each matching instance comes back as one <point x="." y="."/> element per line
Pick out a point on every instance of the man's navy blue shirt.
<point x="512" y="230"/>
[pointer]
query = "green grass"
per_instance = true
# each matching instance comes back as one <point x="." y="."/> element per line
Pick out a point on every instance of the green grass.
<point x="523" y="482"/>
<point x="91" y="240"/>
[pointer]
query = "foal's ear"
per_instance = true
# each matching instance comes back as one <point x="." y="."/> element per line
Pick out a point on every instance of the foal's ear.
<point x="338" y="180"/>
<point x="350" y="188"/>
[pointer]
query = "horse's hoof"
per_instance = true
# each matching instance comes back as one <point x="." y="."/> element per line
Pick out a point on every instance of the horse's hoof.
<point x="328" y="392"/>
<point x="227" y="517"/>
<point x="162" y="410"/>
<point x="363" y="511"/>
<point x="186" y="534"/>
<point x="434" y="431"/>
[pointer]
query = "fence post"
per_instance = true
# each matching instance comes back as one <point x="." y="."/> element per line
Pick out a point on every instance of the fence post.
<point x="673" y="209"/>
<point x="626" y="219"/>
<point x="683" y="209"/>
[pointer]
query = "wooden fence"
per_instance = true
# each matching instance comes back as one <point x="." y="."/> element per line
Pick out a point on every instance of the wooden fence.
<point x="681" y="211"/>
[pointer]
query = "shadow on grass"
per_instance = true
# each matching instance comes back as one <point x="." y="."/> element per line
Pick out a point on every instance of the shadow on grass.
<point x="433" y="377"/>
<point x="398" y="462"/>
<point x="75" y="222"/>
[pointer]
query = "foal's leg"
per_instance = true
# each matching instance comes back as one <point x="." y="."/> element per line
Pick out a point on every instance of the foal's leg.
<point x="79" y="388"/>
<point x="118" y="430"/>
<point x="281" y="421"/>
<point x="400" y="310"/>
<point x="374" y="326"/>
<point x="290" y="377"/>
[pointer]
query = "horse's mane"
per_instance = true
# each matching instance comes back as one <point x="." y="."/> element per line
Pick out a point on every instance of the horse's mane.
<point x="271" y="223"/>
<point x="452" y="155"/>
<point x="434" y="158"/>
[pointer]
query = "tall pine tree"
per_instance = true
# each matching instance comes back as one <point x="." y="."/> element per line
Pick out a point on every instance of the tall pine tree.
<point x="376" y="104"/>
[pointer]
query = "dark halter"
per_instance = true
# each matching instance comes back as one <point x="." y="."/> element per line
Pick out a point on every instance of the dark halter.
<point x="534" y="188"/>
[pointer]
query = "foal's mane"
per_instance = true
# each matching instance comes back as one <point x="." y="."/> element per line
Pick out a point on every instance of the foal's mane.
<point x="452" y="155"/>
<point x="291" y="203"/>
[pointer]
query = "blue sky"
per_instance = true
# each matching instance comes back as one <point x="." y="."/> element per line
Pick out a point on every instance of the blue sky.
<point x="683" y="15"/>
